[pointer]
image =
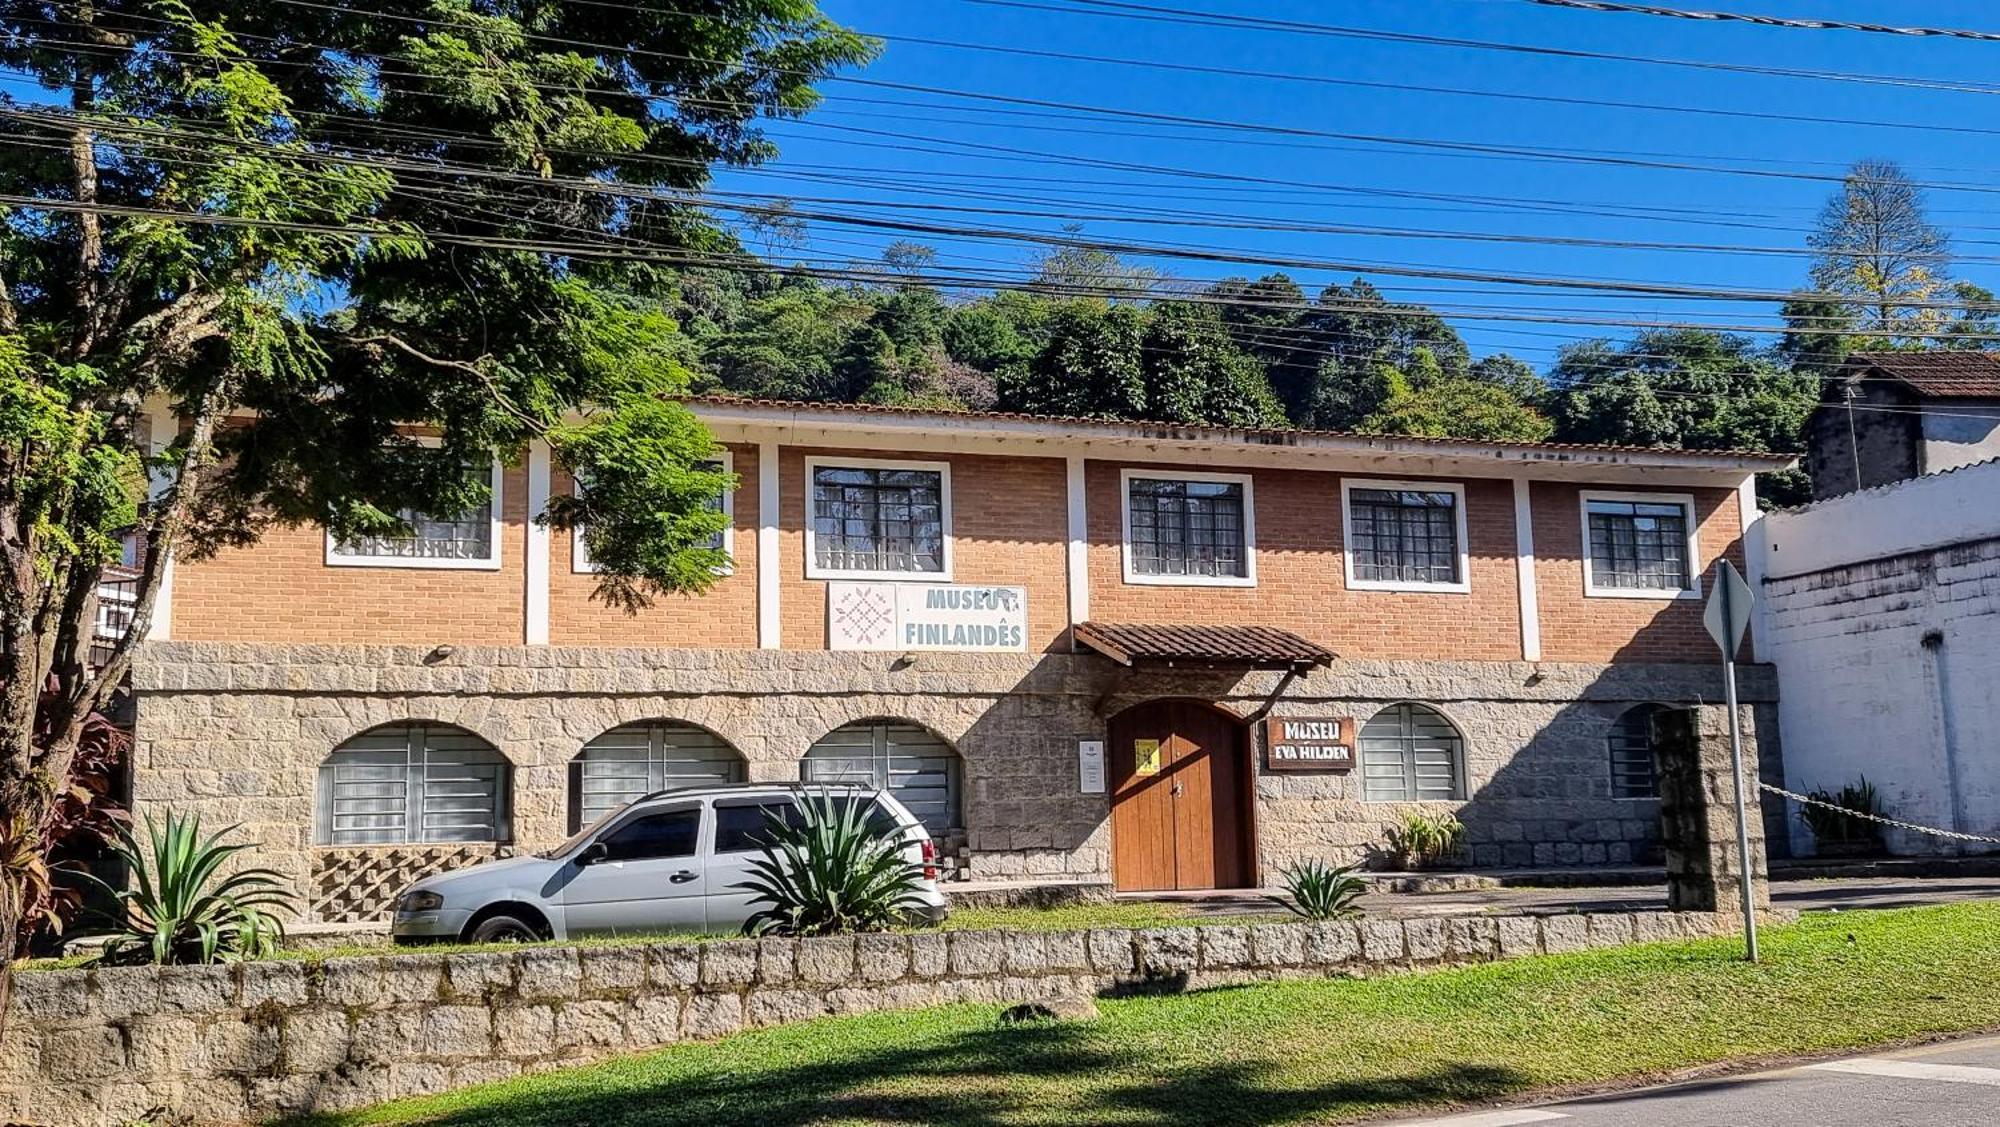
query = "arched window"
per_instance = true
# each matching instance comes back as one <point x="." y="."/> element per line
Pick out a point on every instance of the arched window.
<point x="638" y="759"/>
<point x="1411" y="753"/>
<point x="1631" y="742"/>
<point x="414" y="783"/>
<point x="920" y="769"/>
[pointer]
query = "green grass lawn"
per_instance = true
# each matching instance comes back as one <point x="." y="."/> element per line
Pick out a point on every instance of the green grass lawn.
<point x="1322" y="1051"/>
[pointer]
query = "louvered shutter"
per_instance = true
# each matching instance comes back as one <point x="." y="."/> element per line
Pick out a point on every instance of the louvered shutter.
<point x="638" y="759"/>
<point x="1409" y="752"/>
<point x="919" y="769"/>
<point x="413" y="783"/>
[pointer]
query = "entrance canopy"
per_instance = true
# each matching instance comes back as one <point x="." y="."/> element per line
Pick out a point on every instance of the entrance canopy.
<point x="1250" y="647"/>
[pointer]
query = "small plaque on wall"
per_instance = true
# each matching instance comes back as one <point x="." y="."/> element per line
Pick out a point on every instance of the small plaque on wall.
<point x="1090" y="766"/>
<point x="1301" y="744"/>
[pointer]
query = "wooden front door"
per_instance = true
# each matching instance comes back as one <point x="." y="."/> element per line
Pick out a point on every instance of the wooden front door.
<point x="1178" y="798"/>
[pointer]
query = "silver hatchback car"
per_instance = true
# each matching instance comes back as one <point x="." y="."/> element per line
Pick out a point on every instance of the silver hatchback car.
<point x="668" y="862"/>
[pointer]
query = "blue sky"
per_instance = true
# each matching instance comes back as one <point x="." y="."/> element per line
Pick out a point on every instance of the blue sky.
<point x="1687" y="207"/>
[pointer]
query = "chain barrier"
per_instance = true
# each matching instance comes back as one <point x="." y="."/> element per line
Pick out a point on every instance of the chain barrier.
<point x="1911" y="826"/>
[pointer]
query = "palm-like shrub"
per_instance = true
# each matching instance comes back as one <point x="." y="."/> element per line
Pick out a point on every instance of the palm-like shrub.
<point x="830" y="872"/>
<point x="1422" y="840"/>
<point x="1320" y="891"/>
<point x="182" y="908"/>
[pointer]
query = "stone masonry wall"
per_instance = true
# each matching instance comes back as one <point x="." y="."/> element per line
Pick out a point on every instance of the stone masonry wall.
<point x="232" y="1043"/>
<point x="238" y="732"/>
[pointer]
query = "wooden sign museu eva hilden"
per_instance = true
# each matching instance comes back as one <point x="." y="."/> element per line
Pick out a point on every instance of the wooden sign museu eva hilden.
<point x="1293" y="743"/>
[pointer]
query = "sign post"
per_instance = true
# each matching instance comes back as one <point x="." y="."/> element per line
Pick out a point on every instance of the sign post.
<point x="1727" y="617"/>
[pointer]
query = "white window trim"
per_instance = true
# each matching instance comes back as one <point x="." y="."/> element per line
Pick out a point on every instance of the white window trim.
<point x="1694" y="566"/>
<point x="1249" y="577"/>
<point x="491" y="562"/>
<point x="1457" y="490"/>
<point x="942" y="469"/>
<point x="579" y="553"/>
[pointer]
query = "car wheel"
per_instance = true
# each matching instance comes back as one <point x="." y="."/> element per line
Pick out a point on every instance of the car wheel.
<point x="505" y="929"/>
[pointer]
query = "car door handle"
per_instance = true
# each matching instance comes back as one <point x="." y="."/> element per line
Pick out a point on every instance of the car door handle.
<point x="682" y="877"/>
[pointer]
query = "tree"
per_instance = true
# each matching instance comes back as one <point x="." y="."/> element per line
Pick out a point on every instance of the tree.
<point x="1458" y="407"/>
<point x="1877" y="253"/>
<point x="1090" y="365"/>
<point x="1365" y="341"/>
<point x="1078" y="269"/>
<point x="1194" y="373"/>
<point x="301" y="229"/>
<point x="1515" y="375"/>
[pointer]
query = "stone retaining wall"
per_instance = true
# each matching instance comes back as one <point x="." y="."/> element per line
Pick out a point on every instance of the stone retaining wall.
<point x="233" y="1043"/>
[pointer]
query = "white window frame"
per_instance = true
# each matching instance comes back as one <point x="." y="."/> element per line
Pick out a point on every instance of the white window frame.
<point x="943" y="469"/>
<point x="491" y="562"/>
<point x="579" y="552"/>
<point x="1694" y="565"/>
<point x="1249" y="577"/>
<point x="1457" y="489"/>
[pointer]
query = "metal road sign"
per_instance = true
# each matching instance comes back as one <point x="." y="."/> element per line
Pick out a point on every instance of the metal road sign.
<point x="1728" y="613"/>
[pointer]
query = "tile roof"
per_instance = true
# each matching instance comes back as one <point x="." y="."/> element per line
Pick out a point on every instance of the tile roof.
<point x="1259" y="436"/>
<point x="1258" y="646"/>
<point x="1938" y="374"/>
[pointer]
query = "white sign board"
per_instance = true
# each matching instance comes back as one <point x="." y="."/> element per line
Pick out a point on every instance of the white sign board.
<point x="1090" y="766"/>
<point x="926" y="616"/>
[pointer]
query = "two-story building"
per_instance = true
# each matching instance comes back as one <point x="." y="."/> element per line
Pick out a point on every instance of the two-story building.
<point x="1156" y="655"/>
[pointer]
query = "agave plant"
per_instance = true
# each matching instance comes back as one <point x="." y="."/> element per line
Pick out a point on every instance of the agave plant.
<point x="1320" y="891"/>
<point x="183" y="908"/>
<point x="829" y="872"/>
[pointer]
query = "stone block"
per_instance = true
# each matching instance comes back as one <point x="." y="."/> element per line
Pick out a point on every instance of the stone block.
<point x="612" y="970"/>
<point x="412" y="978"/>
<point x="825" y="960"/>
<point x="1565" y="933"/>
<point x="1027" y="953"/>
<point x="230" y="1046"/>
<point x="1382" y="940"/>
<point x="1654" y="927"/>
<point x="483" y="1072"/>
<point x="122" y="992"/>
<point x="777" y="962"/>
<point x="477" y="976"/>
<point x="1518" y="935"/>
<point x="882" y="958"/>
<point x="406" y="1080"/>
<point x="595" y="1026"/>
<point x="977" y="952"/>
<point x="673" y="966"/>
<point x="1331" y="943"/>
<point x="1471" y="937"/>
<point x="457" y="1031"/>
<point x="548" y="974"/>
<point x="197" y="990"/>
<point x="1277" y="945"/>
<point x="728" y="965"/>
<point x="350" y="982"/>
<point x="524" y="1031"/>
<point x="930" y="954"/>
<point x="652" y="1019"/>
<point x="315" y="1040"/>
<point x="776" y="1007"/>
<point x="1224" y="947"/>
<point x="1426" y="939"/>
<point x="712" y="1015"/>
<point x="386" y="1035"/>
<point x="165" y="1047"/>
<point x="1169" y="950"/>
<point x="275" y="983"/>
<point x="1068" y="951"/>
<point x="1610" y="929"/>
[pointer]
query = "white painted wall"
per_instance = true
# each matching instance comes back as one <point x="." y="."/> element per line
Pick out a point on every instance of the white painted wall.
<point x="1883" y="615"/>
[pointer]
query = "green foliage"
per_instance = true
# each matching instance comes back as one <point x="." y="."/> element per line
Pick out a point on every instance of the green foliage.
<point x="830" y="873"/>
<point x="184" y="908"/>
<point x="1459" y="408"/>
<point x="1319" y="891"/>
<point x="1089" y="365"/>
<point x="1831" y="827"/>
<point x="1877" y="252"/>
<point x="1421" y="841"/>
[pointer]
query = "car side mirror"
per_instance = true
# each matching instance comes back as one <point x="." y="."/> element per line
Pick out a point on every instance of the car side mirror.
<point x="593" y="853"/>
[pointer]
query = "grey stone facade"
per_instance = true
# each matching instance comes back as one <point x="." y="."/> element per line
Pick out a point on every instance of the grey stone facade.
<point x="238" y="731"/>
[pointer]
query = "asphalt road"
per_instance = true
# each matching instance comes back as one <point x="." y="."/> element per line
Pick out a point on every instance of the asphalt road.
<point x="1956" y="1084"/>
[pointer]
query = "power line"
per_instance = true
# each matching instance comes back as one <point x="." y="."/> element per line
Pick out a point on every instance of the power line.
<point x="1772" y="21"/>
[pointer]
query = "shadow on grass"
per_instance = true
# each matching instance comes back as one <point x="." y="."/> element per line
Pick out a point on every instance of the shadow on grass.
<point x="973" y="1079"/>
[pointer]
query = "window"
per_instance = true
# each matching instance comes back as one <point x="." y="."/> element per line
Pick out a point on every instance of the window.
<point x="1410" y="753"/>
<point x="1640" y="545"/>
<point x="671" y="833"/>
<point x="413" y="783"/>
<point x="741" y="827"/>
<point x="878" y="520"/>
<point x="1631" y="743"/>
<point x="468" y="540"/>
<point x="920" y="770"/>
<point x="1188" y="529"/>
<point x="723" y="502"/>
<point x="1405" y="536"/>
<point x="628" y="762"/>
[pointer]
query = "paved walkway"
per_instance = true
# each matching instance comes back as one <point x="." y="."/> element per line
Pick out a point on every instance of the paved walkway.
<point x="1956" y="1084"/>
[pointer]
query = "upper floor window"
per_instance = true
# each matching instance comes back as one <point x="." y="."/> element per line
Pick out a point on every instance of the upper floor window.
<point x="878" y="520"/>
<point x="723" y="502"/>
<point x="1639" y="545"/>
<point x="470" y="539"/>
<point x="1189" y="528"/>
<point x="1405" y="536"/>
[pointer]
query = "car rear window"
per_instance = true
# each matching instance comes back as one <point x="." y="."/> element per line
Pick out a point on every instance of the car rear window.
<point x="744" y="825"/>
